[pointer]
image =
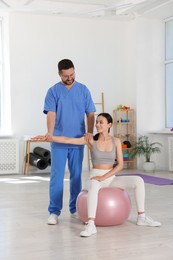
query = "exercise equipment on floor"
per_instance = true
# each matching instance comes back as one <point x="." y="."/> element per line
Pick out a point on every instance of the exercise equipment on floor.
<point x="113" y="207"/>
<point x="38" y="161"/>
<point x="44" y="153"/>
<point x="40" y="157"/>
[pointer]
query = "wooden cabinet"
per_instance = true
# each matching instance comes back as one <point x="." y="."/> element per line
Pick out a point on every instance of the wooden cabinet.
<point x="124" y="127"/>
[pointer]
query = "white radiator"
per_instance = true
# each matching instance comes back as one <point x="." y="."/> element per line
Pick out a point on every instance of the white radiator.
<point x="170" y="146"/>
<point x="9" y="156"/>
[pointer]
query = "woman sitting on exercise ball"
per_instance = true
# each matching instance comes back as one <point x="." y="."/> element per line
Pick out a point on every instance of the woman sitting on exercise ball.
<point x="104" y="150"/>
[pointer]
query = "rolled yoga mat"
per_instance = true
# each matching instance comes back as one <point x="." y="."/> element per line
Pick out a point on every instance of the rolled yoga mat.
<point x="38" y="161"/>
<point x="42" y="152"/>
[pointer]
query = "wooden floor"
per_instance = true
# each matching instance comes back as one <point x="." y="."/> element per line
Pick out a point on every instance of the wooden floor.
<point x="24" y="234"/>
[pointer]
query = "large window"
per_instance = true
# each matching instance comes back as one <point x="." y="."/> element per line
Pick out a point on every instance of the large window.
<point x="1" y="74"/>
<point x="169" y="72"/>
<point x="5" y="99"/>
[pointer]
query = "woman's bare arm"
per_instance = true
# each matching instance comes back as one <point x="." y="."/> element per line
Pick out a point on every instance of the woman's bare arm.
<point x="59" y="139"/>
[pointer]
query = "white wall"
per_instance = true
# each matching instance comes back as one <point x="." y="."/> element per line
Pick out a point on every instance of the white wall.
<point x="102" y="51"/>
<point x="119" y="58"/>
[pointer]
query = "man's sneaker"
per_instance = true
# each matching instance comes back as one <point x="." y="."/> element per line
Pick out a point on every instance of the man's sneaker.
<point x="147" y="221"/>
<point x="74" y="215"/>
<point x="52" y="220"/>
<point x="89" y="230"/>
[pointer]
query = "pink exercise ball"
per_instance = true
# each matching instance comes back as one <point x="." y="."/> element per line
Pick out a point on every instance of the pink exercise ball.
<point x="113" y="207"/>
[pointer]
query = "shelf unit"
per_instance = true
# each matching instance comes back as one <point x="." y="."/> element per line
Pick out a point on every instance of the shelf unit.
<point x="124" y="127"/>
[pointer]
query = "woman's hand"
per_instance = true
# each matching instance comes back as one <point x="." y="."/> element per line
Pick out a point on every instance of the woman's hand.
<point x="39" y="138"/>
<point x="98" y="178"/>
<point x="43" y="138"/>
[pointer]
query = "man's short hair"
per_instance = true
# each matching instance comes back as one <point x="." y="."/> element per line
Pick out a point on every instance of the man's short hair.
<point x="65" y="64"/>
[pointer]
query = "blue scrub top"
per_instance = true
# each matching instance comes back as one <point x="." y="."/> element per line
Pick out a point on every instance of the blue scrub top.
<point x="70" y="107"/>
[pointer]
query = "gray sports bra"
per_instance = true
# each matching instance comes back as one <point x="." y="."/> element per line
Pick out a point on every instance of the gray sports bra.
<point x="100" y="157"/>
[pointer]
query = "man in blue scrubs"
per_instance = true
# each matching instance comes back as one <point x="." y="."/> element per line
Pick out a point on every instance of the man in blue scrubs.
<point x="66" y="104"/>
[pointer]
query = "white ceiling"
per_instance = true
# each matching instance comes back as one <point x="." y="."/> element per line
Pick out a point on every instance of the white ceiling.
<point x="114" y="9"/>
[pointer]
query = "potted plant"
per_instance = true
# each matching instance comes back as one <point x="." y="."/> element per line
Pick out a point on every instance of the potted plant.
<point x="146" y="148"/>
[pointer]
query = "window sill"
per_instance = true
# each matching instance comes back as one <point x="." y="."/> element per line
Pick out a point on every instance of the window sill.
<point x="163" y="132"/>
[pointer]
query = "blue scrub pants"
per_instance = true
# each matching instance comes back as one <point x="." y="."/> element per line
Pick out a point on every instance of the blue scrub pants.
<point x="59" y="157"/>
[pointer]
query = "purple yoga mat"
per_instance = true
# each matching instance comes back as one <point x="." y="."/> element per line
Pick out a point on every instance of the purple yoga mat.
<point x="151" y="179"/>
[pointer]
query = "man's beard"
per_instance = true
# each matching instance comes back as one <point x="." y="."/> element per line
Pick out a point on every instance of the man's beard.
<point x="68" y="82"/>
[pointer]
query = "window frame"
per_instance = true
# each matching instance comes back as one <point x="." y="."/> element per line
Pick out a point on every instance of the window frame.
<point x="167" y="62"/>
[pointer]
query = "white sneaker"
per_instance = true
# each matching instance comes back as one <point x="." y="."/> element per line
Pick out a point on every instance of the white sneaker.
<point x="147" y="221"/>
<point x="89" y="230"/>
<point x="52" y="220"/>
<point x="74" y="215"/>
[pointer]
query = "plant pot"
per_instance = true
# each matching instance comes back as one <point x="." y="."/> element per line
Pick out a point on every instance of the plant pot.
<point x="149" y="166"/>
